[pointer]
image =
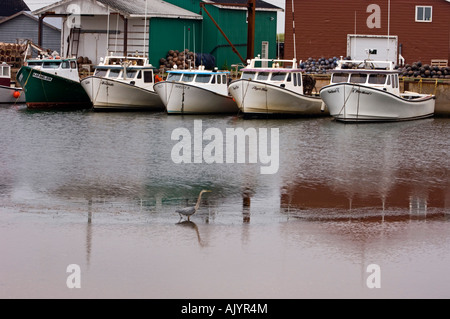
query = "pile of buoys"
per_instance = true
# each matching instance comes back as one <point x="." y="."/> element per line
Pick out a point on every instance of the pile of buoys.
<point x="182" y="60"/>
<point x="83" y="60"/>
<point x="418" y="69"/>
<point x="12" y="54"/>
<point x="319" y="66"/>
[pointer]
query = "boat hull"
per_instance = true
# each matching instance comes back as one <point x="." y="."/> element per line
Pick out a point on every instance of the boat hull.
<point x="7" y="95"/>
<point x="262" y="98"/>
<point x="355" y="103"/>
<point x="107" y="94"/>
<point x="48" y="91"/>
<point x="180" y="98"/>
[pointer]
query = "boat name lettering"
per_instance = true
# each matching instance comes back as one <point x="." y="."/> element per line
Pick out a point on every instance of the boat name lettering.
<point x="182" y="86"/>
<point x="360" y="91"/>
<point x="259" y="89"/>
<point x="42" y="77"/>
<point x="333" y="91"/>
<point x="107" y="83"/>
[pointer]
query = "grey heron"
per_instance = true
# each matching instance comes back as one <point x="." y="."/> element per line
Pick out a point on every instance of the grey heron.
<point x="188" y="211"/>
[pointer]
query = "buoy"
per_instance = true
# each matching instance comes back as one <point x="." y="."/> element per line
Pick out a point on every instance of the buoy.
<point x="16" y="94"/>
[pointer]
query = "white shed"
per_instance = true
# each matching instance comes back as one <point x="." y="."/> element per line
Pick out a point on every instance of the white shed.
<point x="92" y="28"/>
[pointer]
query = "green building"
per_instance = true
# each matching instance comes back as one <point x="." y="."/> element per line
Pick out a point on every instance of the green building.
<point x="203" y="36"/>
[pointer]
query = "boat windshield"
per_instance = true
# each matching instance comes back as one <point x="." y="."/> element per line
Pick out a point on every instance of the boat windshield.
<point x="113" y="74"/>
<point x="358" y="78"/>
<point x="377" y="79"/>
<point x="188" y="77"/>
<point x="175" y="77"/>
<point x="263" y="76"/>
<point x="279" y="76"/>
<point x="131" y="74"/>
<point x="100" y="72"/>
<point x="339" y="77"/>
<point x="51" y="65"/>
<point x="203" y="78"/>
<point x="248" y="75"/>
<point x="34" y="63"/>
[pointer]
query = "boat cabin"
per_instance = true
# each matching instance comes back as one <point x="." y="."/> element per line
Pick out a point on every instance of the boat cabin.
<point x="5" y="74"/>
<point x="385" y="79"/>
<point x="67" y="68"/>
<point x="277" y="74"/>
<point x="132" y="70"/>
<point x="216" y="81"/>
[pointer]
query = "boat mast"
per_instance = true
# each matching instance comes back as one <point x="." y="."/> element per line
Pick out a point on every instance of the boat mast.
<point x="293" y="29"/>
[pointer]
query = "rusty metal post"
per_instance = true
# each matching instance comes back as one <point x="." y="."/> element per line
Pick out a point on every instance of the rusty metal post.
<point x="251" y="29"/>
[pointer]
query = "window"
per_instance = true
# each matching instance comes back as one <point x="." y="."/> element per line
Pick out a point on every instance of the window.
<point x="202" y="78"/>
<point x="248" y="75"/>
<point x="131" y="74"/>
<point x="51" y="65"/>
<point x="174" y="77"/>
<point x="339" y="77"/>
<point x="358" y="78"/>
<point x="263" y="76"/>
<point x="279" y="76"/>
<point x="188" y="77"/>
<point x="65" y="65"/>
<point x="100" y="73"/>
<point x="148" y="76"/>
<point x="424" y="14"/>
<point x="114" y="74"/>
<point x="377" y="79"/>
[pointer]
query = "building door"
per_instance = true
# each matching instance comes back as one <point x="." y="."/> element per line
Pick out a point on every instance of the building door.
<point x="374" y="47"/>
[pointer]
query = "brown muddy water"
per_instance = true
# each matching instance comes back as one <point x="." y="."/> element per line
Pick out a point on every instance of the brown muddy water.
<point x="353" y="211"/>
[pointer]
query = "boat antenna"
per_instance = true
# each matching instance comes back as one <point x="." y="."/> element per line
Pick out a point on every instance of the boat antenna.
<point x="107" y="35"/>
<point x="145" y="29"/>
<point x="389" y="25"/>
<point x="293" y="29"/>
<point x="193" y="40"/>
<point x="117" y="32"/>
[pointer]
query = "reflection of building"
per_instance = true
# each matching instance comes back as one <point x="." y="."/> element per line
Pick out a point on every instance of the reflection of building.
<point x="301" y="198"/>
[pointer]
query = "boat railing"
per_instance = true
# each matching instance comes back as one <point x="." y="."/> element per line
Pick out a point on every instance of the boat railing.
<point x="275" y="62"/>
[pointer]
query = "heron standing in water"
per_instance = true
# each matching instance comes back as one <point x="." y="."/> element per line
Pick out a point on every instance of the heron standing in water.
<point x="188" y="211"/>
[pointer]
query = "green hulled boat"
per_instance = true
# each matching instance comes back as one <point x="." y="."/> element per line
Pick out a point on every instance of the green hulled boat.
<point x="52" y="84"/>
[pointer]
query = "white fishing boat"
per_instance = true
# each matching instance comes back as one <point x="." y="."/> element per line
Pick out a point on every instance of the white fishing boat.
<point x="196" y="91"/>
<point x="123" y="83"/>
<point x="9" y="93"/>
<point x="369" y="91"/>
<point x="271" y="87"/>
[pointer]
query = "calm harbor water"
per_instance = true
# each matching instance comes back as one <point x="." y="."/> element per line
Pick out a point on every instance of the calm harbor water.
<point x="100" y="190"/>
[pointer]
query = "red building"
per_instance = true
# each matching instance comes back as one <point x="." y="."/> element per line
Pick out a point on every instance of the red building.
<point x="418" y="30"/>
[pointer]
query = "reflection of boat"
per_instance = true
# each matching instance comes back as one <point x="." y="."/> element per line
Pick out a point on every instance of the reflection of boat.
<point x="196" y="91"/>
<point x="123" y="83"/>
<point x="372" y="94"/>
<point x="273" y="90"/>
<point x="8" y="93"/>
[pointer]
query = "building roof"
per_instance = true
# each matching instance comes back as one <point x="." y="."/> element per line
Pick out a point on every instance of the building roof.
<point x="28" y="15"/>
<point x="10" y="7"/>
<point x="128" y="8"/>
<point x="260" y="4"/>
